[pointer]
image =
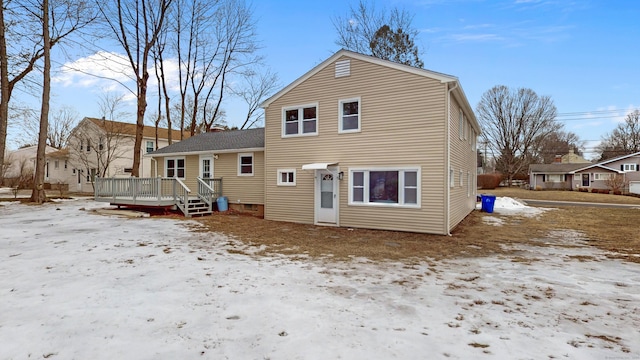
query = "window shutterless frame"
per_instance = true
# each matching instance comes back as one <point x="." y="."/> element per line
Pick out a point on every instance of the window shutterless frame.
<point x="385" y="186"/>
<point x="300" y="120"/>
<point x="349" y="115"/>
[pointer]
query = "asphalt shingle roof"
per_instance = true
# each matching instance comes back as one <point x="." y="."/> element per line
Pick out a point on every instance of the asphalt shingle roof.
<point x="555" y="168"/>
<point x="216" y="141"/>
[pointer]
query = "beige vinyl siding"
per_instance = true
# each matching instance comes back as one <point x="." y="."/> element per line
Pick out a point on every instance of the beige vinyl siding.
<point x="241" y="189"/>
<point x="238" y="189"/>
<point x="402" y="124"/>
<point x="463" y="158"/>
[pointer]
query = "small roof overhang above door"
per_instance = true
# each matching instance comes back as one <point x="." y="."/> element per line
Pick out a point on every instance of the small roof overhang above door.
<point x="318" y="166"/>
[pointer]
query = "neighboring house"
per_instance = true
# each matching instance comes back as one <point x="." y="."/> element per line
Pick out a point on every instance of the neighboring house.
<point x="21" y="163"/>
<point x="363" y="142"/>
<point x="572" y="158"/>
<point x="235" y="156"/>
<point x="105" y="148"/>
<point x="58" y="170"/>
<point x="586" y="175"/>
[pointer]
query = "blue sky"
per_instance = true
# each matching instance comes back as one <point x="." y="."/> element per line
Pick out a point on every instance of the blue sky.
<point x="584" y="54"/>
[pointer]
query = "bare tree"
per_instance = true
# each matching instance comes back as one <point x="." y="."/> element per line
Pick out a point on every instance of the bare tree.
<point x="22" y="44"/>
<point x="616" y="182"/>
<point x="214" y="42"/>
<point x="256" y="88"/>
<point x="110" y="105"/>
<point x="61" y="124"/>
<point x="385" y="35"/>
<point x="163" y="92"/>
<point x="623" y="140"/>
<point x="136" y="25"/>
<point x="512" y="121"/>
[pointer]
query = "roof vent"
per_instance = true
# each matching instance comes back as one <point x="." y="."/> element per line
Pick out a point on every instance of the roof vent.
<point x="343" y="68"/>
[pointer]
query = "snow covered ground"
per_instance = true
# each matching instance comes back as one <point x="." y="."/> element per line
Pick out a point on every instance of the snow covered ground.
<point x="77" y="285"/>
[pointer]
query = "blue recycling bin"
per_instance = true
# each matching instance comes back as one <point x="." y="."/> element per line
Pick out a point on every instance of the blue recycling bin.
<point x="223" y="203"/>
<point x="488" y="201"/>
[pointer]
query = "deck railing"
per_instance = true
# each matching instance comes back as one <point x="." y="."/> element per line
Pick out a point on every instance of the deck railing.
<point x="154" y="191"/>
<point x="209" y="190"/>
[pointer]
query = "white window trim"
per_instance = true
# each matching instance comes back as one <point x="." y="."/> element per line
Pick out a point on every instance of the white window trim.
<point x="253" y="164"/>
<point x="624" y="167"/>
<point x="282" y="171"/>
<point x="461" y="124"/>
<point x="300" y="120"/>
<point x="146" y="148"/>
<point x="452" y="178"/>
<point x="602" y="176"/>
<point x="401" y="186"/>
<point x="473" y="140"/>
<point x="340" y="115"/>
<point x="468" y="183"/>
<point x="461" y="178"/>
<point x="166" y="168"/>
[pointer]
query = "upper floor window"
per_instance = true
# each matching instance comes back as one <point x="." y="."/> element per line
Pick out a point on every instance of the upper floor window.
<point x="349" y="115"/>
<point x="461" y="125"/>
<point x="88" y="146"/>
<point x="245" y="164"/>
<point x="81" y="144"/>
<point x="629" y="167"/>
<point x="174" y="168"/>
<point x="300" y="120"/>
<point x="149" y="147"/>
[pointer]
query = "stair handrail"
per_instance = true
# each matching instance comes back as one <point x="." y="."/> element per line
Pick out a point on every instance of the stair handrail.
<point x="205" y="192"/>
<point x="181" y="194"/>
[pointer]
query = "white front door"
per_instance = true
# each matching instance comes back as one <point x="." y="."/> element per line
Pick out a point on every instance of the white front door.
<point x="206" y="166"/>
<point x="326" y="197"/>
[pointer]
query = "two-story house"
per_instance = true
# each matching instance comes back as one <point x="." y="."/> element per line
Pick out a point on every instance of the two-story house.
<point x="364" y="142"/>
<point x="105" y="148"/>
<point x="355" y="142"/>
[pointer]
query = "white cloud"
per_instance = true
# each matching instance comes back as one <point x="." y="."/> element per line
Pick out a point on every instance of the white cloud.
<point x="110" y="71"/>
<point x="94" y="69"/>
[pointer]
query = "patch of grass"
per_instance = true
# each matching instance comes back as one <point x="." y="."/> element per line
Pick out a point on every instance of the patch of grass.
<point x="478" y="345"/>
<point x="557" y="195"/>
<point x="472" y="238"/>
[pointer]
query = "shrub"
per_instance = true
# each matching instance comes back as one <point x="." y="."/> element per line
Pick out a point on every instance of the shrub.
<point x="489" y="181"/>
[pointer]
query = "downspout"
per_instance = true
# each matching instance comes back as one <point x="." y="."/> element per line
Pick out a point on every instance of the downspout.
<point x="153" y="160"/>
<point x="448" y="166"/>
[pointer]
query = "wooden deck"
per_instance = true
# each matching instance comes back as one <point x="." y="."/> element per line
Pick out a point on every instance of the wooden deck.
<point x="156" y="192"/>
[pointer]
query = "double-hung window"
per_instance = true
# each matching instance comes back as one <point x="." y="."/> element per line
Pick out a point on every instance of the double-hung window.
<point x="628" y="167"/>
<point x="385" y="187"/>
<point x="245" y="164"/>
<point x="300" y="120"/>
<point x="349" y="120"/>
<point x="175" y="168"/>
<point x="149" y="147"/>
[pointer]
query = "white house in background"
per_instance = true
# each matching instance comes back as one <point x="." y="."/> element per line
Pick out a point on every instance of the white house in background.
<point x="99" y="147"/>
<point x="22" y="162"/>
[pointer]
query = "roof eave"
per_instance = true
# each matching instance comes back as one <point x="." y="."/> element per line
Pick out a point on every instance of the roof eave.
<point x="204" y="152"/>
<point x="443" y="78"/>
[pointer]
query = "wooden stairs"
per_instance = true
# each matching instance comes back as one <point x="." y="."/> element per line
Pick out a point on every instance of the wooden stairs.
<point x="196" y="207"/>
